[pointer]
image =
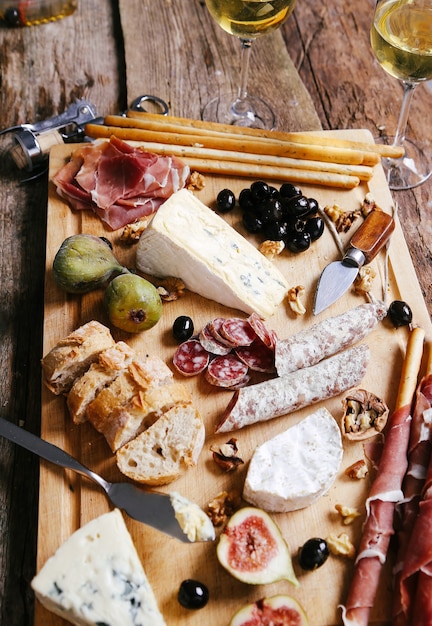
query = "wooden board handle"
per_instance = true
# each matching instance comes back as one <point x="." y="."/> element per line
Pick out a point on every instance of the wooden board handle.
<point x="373" y="234"/>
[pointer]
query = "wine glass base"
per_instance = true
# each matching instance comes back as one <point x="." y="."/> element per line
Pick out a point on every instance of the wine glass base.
<point x="225" y="109"/>
<point x="407" y="172"/>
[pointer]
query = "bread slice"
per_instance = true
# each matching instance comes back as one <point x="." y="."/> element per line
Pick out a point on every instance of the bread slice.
<point x="137" y="377"/>
<point x="110" y="363"/>
<point x="143" y="410"/>
<point x="161" y="453"/>
<point x="73" y="355"/>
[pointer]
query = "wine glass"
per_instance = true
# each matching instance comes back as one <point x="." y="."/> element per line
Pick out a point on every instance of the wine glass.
<point x="401" y="38"/>
<point x="247" y="20"/>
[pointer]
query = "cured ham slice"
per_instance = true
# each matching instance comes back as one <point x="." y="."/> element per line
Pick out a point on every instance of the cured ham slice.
<point x="413" y="573"/>
<point x="119" y="182"/>
<point x="385" y="493"/>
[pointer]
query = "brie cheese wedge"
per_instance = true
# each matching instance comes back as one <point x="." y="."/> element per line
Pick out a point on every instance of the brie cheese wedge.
<point x="187" y="240"/>
<point x="295" y="468"/>
<point x="96" y="577"/>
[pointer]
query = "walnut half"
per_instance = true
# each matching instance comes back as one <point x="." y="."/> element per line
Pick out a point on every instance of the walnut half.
<point x="364" y="415"/>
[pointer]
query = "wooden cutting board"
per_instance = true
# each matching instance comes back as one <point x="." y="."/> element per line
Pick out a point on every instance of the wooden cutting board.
<point x="67" y="501"/>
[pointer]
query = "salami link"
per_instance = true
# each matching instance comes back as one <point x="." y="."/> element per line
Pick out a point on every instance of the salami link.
<point x="226" y="371"/>
<point x="283" y="395"/>
<point x="191" y="358"/>
<point x="326" y="338"/>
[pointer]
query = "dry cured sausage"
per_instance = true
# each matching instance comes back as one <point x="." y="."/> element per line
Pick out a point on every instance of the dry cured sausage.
<point x="327" y="337"/>
<point x="286" y="394"/>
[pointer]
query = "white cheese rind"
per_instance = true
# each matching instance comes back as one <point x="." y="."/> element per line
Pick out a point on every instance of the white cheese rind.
<point x="295" y="468"/>
<point x="188" y="240"/>
<point x="96" y="577"/>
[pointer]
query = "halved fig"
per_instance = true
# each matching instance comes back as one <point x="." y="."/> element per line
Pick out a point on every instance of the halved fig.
<point x="282" y="610"/>
<point x="252" y="549"/>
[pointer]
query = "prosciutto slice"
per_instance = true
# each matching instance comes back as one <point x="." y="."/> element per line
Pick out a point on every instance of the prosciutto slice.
<point x="119" y="182"/>
<point x="385" y="493"/>
<point x="413" y="575"/>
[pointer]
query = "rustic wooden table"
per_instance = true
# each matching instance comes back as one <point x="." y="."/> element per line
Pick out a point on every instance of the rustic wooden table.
<point x="110" y="52"/>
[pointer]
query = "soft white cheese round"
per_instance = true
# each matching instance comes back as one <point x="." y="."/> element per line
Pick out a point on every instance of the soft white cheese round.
<point x="298" y="466"/>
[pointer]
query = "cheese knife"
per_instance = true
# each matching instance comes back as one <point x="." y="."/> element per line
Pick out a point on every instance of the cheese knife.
<point x="363" y="247"/>
<point x="149" y="507"/>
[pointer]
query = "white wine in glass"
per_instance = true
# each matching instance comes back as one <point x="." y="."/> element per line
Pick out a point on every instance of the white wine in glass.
<point x="401" y="38"/>
<point x="247" y="20"/>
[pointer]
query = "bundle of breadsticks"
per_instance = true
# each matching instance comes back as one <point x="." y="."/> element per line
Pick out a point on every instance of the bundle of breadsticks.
<point x="213" y="148"/>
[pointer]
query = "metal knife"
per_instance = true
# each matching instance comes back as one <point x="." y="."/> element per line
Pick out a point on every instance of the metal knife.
<point x="364" y="245"/>
<point x="149" y="507"/>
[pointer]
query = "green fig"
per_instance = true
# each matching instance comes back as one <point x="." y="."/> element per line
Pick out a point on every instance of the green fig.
<point x="252" y="549"/>
<point x="83" y="263"/>
<point x="281" y="609"/>
<point x="133" y="303"/>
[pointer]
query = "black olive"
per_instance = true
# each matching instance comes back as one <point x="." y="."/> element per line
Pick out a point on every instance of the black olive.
<point x="183" y="328"/>
<point x="12" y="17"/>
<point x="225" y="201"/>
<point x="193" y="594"/>
<point x="315" y="227"/>
<point x="297" y="239"/>
<point x="313" y="554"/>
<point x="252" y="223"/>
<point x="296" y="207"/>
<point x="246" y="201"/>
<point x="313" y="206"/>
<point x="399" y="313"/>
<point x="260" y="190"/>
<point x="275" y="231"/>
<point x="288" y="190"/>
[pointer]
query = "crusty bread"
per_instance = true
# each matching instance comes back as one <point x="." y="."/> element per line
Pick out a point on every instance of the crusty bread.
<point x="161" y="453"/>
<point x="137" y="377"/>
<point x="100" y="374"/>
<point x="72" y="356"/>
<point x="144" y="409"/>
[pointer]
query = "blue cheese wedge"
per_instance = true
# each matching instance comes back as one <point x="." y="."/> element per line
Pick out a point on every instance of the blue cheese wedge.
<point x="295" y="468"/>
<point x="96" y="577"/>
<point x="188" y="240"/>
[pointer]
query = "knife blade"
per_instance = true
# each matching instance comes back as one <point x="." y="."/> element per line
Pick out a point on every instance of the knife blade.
<point x="363" y="247"/>
<point x="153" y="508"/>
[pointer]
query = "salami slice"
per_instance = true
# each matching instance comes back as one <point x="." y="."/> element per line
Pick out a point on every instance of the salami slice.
<point x="328" y="337"/>
<point x="226" y="371"/>
<point x="191" y="358"/>
<point x="215" y="328"/>
<point x="237" y="331"/>
<point x="257" y="357"/>
<point x="279" y="396"/>
<point x="267" y="337"/>
<point x="211" y="343"/>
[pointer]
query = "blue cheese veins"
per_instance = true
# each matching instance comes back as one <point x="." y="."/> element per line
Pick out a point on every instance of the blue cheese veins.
<point x="96" y="577"/>
<point x="188" y="240"/>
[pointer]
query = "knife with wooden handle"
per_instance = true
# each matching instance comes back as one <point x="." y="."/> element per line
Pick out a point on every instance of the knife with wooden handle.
<point x="364" y="245"/>
<point x="153" y="508"/>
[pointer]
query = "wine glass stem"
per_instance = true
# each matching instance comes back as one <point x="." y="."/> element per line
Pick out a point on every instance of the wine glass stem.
<point x="404" y="112"/>
<point x="241" y="105"/>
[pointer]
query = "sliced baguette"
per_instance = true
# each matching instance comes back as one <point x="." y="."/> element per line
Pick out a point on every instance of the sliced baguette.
<point x="161" y="453"/>
<point x="73" y="355"/>
<point x="143" y="410"/>
<point x="137" y="377"/>
<point x="99" y="375"/>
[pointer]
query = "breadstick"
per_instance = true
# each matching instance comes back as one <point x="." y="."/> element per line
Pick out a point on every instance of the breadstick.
<point x="121" y="127"/>
<point x="198" y="126"/>
<point x="410" y="368"/>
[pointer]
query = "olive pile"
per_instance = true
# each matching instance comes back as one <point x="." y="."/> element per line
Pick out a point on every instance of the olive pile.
<point x="279" y="215"/>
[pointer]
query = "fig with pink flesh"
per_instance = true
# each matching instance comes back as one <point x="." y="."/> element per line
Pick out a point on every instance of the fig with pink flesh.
<point x="252" y="549"/>
<point x="281" y="610"/>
